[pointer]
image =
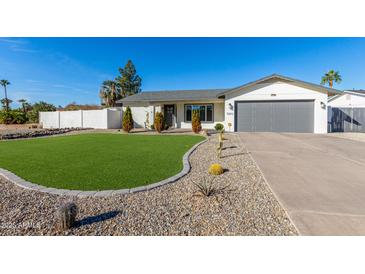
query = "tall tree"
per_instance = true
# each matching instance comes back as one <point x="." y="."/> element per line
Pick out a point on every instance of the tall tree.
<point x="5" y="103"/>
<point x="23" y="102"/>
<point x="33" y="114"/>
<point x="330" y="77"/>
<point x="5" y="83"/>
<point x="110" y="92"/>
<point x="129" y="80"/>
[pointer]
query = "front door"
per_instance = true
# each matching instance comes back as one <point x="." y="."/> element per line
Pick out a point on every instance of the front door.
<point x="169" y="113"/>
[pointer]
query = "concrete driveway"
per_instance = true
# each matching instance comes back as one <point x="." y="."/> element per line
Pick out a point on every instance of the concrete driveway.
<point x="319" y="179"/>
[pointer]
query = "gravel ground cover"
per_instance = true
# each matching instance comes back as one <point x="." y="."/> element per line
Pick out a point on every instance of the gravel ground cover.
<point x="245" y="207"/>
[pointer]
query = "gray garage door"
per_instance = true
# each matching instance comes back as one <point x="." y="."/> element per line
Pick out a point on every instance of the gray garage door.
<point x="275" y="116"/>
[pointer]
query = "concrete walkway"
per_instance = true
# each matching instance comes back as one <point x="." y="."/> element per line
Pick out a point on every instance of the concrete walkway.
<point x="319" y="179"/>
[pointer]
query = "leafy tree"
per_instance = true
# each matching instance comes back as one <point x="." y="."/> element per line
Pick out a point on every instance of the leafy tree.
<point x="127" y="120"/>
<point x="130" y="83"/>
<point x="33" y="115"/>
<point x="330" y="77"/>
<point x="5" y="83"/>
<point x="110" y="92"/>
<point x="195" y="122"/>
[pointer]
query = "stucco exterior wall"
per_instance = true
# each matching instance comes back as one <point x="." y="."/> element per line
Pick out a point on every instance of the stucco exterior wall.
<point x="348" y="100"/>
<point x="279" y="91"/>
<point x="139" y="114"/>
<point x="218" y="115"/>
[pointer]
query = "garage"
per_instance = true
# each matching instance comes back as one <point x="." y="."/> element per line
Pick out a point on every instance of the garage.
<point x="275" y="116"/>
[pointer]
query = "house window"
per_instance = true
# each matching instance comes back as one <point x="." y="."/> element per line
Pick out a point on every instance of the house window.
<point x="205" y="112"/>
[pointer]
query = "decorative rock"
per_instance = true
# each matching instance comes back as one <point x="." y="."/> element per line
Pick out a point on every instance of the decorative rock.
<point x="38" y="133"/>
<point x="66" y="216"/>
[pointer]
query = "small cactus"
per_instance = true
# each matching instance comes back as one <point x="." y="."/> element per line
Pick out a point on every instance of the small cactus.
<point x="219" y="149"/>
<point x="66" y="216"/>
<point x="216" y="169"/>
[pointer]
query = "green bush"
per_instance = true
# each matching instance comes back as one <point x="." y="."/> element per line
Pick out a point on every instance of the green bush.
<point x="127" y="120"/>
<point x="5" y="117"/>
<point x="159" y="122"/>
<point x="195" y="123"/>
<point x="33" y="115"/>
<point x="219" y="127"/>
<point x="12" y="117"/>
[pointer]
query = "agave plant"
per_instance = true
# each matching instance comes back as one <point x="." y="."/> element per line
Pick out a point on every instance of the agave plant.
<point x="207" y="186"/>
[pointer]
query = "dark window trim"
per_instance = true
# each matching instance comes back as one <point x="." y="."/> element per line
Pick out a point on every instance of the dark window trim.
<point x="208" y="104"/>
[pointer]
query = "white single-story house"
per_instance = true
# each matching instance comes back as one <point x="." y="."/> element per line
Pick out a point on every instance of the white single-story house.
<point x="349" y="98"/>
<point x="274" y="103"/>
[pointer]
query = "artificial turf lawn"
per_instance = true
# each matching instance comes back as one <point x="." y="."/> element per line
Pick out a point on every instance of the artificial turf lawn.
<point x="96" y="161"/>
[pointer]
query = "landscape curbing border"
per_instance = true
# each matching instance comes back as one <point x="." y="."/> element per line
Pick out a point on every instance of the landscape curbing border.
<point x="103" y="193"/>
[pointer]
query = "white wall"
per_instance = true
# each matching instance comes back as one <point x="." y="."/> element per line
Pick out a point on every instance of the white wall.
<point x="100" y="119"/>
<point x="70" y="119"/>
<point x="139" y="114"/>
<point x="348" y="100"/>
<point x="279" y="91"/>
<point x="95" y="118"/>
<point x="49" y="119"/>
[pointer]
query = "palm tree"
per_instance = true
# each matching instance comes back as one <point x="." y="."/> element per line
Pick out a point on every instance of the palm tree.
<point x="330" y="77"/>
<point x="109" y="93"/>
<point x="23" y="102"/>
<point x="5" y="83"/>
<point x="5" y="103"/>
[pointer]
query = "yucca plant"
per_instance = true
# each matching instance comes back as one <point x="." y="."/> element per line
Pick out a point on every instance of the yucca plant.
<point x="207" y="186"/>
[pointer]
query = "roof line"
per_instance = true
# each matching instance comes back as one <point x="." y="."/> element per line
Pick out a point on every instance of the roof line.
<point x="346" y="92"/>
<point x="332" y="90"/>
<point x="173" y="90"/>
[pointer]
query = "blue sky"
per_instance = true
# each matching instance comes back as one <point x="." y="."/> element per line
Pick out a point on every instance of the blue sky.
<point x="62" y="70"/>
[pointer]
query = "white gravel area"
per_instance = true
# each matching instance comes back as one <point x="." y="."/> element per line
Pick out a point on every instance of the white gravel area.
<point x="246" y="207"/>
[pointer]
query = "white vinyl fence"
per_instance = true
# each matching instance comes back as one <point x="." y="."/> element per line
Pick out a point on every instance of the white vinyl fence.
<point x="101" y="119"/>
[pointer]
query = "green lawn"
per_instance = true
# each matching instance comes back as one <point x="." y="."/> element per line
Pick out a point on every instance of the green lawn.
<point x="96" y="161"/>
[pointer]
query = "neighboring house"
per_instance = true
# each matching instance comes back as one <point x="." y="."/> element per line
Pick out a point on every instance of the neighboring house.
<point x="349" y="98"/>
<point x="274" y="103"/>
<point x="346" y="112"/>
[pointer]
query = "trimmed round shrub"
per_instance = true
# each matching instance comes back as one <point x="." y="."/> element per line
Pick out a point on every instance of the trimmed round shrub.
<point x="159" y="122"/>
<point x="219" y="127"/>
<point x="127" y="120"/>
<point x="216" y="169"/>
<point x="195" y="122"/>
